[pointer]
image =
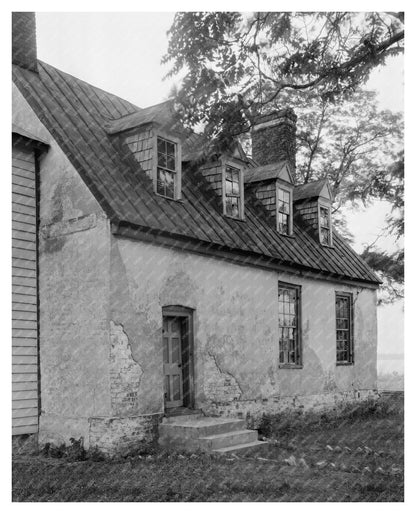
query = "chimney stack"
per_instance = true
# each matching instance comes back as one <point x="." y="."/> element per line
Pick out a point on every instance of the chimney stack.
<point x="24" y="51"/>
<point x="273" y="137"/>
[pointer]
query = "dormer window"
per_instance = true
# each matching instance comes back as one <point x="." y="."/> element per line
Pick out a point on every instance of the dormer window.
<point x="233" y="192"/>
<point x="325" y="235"/>
<point x="167" y="176"/>
<point x="284" y="210"/>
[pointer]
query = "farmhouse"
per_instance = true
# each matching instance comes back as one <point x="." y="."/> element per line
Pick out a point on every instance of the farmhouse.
<point x="154" y="279"/>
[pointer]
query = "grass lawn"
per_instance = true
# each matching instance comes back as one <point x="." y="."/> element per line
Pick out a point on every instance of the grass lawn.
<point x="348" y="460"/>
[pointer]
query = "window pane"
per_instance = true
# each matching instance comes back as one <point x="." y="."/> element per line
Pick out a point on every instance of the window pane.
<point x="170" y="162"/>
<point x="170" y="148"/>
<point x="161" y="145"/>
<point x="236" y="186"/>
<point x="161" y="160"/>
<point x="228" y="187"/>
<point x="325" y="236"/>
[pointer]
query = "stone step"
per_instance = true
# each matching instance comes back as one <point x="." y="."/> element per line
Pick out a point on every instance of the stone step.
<point x="179" y="418"/>
<point x="200" y="427"/>
<point x="227" y="439"/>
<point x="239" y="447"/>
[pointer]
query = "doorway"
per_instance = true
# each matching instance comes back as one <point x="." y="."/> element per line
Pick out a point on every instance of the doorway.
<point x="178" y="355"/>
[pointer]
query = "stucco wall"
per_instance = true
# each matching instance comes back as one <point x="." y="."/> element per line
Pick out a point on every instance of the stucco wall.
<point x="74" y="287"/>
<point x="236" y="327"/>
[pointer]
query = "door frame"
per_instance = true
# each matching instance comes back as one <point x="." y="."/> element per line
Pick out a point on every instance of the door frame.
<point x="187" y="347"/>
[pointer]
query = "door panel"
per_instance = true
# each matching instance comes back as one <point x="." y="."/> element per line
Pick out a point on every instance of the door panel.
<point x="172" y="361"/>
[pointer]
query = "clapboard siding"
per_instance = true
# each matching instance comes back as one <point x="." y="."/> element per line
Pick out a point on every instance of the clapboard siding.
<point x="25" y="400"/>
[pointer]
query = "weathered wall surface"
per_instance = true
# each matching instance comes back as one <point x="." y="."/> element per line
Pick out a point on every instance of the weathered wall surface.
<point x="236" y="327"/>
<point x="74" y="270"/>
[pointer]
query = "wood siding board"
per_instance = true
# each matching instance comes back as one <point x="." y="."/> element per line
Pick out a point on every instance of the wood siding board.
<point x="28" y="394"/>
<point x="24" y="315"/>
<point x="27" y="183"/>
<point x="23" y="245"/>
<point x="24" y="350"/>
<point x="24" y="333"/>
<point x="24" y="298"/>
<point x="24" y="405"/>
<point x="24" y="307"/>
<point x="30" y="413"/>
<point x="25" y="377"/>
<point x="23" y="209"/>
<point x="24" y="368"/>
<point x="23" y="200"/>
<point x="25" y="429"/>
<point x="23" y="263"/>
<point x="28" y="385"/>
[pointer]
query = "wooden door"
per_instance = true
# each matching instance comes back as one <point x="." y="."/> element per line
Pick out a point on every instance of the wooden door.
<point x="172" y="361"/>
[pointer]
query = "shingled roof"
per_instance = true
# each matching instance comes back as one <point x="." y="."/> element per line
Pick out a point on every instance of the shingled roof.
<point x="310" y="190"/>
<point x="78" y="116"/>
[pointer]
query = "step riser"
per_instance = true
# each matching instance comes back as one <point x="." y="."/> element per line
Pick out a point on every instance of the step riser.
<point x="178" y="419"/>
<point x="190" y="432"/>
<point x="228" y="440"/>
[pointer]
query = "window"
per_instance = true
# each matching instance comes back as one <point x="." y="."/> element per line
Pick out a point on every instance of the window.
<point x="167" y="168"/>
<point x="284" y="211"/>
<point x="233" y="203"/>
<point x="325" y="225"/>
<point x="344" y="328"/>
<point x="289" y="325"/>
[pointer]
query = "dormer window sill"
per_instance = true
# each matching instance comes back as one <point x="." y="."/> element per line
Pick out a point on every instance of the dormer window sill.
<point x="178" y="200"/>
<point x="289" y="236"/>
<point x="330" y="247"/>
<point x="233" y="218"/>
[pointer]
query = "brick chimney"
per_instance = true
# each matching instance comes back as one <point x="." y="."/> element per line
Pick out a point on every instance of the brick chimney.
<point x="24" y="52"/>
<point x="273" y="137"/>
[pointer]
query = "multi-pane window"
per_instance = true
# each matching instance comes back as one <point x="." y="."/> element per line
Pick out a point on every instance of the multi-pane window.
<point x="284" y="211"/>
<point x="289" y="325"/>
<point x="344" y="327"/>
<point x="166" y="168"/>
<point x="232" y="192"/>
<point x="325" y="227"/>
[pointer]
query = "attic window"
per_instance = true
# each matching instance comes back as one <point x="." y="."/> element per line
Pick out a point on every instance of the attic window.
<point x="233" y="192"/>
<point x="167" y="177"/>
<point x="284" y="211"/>
<point x="325" y="226"/>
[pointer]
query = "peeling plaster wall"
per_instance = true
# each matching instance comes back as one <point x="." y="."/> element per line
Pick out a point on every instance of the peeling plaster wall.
<point x="236" y="327"/>
<point x="74" y="270"/>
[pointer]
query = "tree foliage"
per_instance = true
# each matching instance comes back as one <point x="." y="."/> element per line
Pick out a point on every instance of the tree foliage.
<point x="238" y="65"/>
<point x="235" y="66"/>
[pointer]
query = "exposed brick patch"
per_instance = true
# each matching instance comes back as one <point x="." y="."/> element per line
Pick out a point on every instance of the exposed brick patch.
<point x="120" y="434"/>
<point x="253" y="410"/>
<point x="125" y="373"/>
<point x="220" y="385"/>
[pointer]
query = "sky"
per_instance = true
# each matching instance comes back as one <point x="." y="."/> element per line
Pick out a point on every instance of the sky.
<point x="121" y="53"/>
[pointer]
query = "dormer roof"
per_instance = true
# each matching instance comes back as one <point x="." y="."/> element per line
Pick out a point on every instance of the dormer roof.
<point x="280" y="170"/>
<point x="76" y="113"/>
<point x="317" y="188"/>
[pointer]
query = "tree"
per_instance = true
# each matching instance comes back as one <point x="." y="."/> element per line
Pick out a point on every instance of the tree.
<point x="238" y="66"/>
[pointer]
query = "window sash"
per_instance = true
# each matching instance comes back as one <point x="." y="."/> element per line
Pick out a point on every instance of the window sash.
<point x="166" y="169"/>
<point x="289" y="325"/>
<point x="232" y="196"/>
<point x="284" y="211"/>
<point x="344" y="328"/>
<point x="325" y="225"/>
